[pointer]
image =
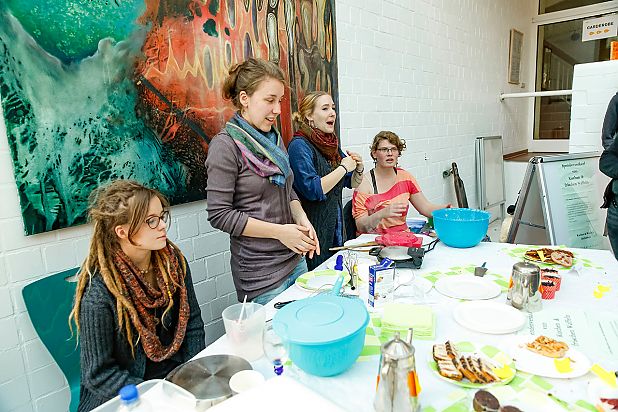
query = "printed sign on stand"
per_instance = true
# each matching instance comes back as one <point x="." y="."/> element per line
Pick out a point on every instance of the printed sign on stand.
<point x="559" y="202"/>
<point x="600" y="28"/>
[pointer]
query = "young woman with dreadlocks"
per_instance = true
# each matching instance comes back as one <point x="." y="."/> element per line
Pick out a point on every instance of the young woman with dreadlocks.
<point x="135" y="309"/>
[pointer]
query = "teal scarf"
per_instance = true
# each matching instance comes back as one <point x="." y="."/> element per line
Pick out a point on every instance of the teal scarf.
<point x="262" y="153"/>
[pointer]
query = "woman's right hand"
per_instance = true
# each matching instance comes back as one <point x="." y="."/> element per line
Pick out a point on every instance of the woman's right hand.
<point x="296" y="238"/>
<point x="396" y="209"/>
<point x="349" y="163"/>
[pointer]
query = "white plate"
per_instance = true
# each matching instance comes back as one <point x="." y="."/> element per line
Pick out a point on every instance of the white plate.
<point x="468" y="287"/>
<point x="364" y="238"/>
<point x="598" y="389"/>
<point x="426" y="239"/>
<point x="369" y="237"/>
<point x="489" y="317"/>
<point x="321" y="280"/>
<point x="536" y="364"/>
<point x="495" y="361"/>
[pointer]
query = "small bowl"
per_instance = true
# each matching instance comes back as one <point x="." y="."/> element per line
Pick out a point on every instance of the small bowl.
<point x="461" y="228"/>
<point x="244" y="380"/>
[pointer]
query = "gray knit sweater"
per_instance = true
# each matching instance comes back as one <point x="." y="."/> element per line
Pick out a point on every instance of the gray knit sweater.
<point x="106" y="361"/>
<point x="235" y="193"/>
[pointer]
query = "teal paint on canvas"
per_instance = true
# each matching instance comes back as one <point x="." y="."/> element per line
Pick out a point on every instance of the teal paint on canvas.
<point x="72" y="127"/>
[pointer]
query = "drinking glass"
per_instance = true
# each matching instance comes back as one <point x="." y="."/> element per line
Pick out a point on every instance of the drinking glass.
<point x="275" y="348"/>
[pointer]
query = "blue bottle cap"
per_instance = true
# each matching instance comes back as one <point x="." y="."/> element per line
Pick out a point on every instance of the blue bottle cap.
<point x="339" y="263"/>
<point x="128" y="393"/>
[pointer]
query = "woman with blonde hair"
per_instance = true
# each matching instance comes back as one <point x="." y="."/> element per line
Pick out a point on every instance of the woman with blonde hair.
<point x="380" y="203"/>
<point x="135" y="309"/>
<point x="249" y="192"/>
<point x="321" y="170"/>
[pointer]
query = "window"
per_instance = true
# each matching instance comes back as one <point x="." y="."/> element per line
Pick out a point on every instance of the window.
<point x="559" y="48"/>
<point x="550" y="6"/>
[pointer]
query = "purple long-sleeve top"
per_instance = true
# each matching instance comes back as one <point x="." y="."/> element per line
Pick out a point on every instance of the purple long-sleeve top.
<point x="235" y="193"/>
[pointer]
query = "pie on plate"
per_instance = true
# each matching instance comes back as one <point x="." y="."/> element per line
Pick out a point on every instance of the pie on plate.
<point x="549" y="256"/>
<point x="562" y="257"/>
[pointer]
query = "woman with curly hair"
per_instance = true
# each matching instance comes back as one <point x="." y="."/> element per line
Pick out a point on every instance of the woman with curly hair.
<point x="380" y="204"/>
<point x="135" y="309"/>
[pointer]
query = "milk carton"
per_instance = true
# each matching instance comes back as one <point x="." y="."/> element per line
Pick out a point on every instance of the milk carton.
<point x="381" y="283"/>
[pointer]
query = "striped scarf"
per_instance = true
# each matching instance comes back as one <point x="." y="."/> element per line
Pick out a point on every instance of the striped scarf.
<point x="261" y="153"/>
<point x="146" y="298"/>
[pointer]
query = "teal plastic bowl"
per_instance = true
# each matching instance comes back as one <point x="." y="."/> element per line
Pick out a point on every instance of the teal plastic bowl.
<point x="324" y="334"/>
<point x="461" y="228"/>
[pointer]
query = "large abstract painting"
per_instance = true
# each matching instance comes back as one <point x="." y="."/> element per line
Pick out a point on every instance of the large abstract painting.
<point x="99" y="90"/>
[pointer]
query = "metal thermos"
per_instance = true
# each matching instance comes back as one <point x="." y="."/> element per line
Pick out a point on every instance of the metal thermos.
<point x="523" y="291"/>
<point x="398" y="386"/>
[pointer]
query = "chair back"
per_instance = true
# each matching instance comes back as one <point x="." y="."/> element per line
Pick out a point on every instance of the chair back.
<point x="49" y="302"/>
<point x="348" y="222"/>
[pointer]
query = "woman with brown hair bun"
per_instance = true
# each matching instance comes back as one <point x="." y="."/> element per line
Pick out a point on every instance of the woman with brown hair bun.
<point x="135" y="309"/>
<point x="321" y="170"/>
<point x="380" y="203"/>
<point x="249" y="193"/>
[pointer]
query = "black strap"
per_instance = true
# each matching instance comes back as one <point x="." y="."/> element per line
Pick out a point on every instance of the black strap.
<point x="373" y="181"/>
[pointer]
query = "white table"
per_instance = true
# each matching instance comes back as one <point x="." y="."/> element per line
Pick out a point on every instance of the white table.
<point x="355" y="388"/>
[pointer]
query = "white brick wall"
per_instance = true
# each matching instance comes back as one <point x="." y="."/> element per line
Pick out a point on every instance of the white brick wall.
<point x="594" y="84"/>
<point x="431" y="71"/>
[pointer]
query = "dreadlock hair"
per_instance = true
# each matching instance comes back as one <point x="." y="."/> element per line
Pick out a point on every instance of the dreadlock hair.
<point x="119" y="203"/>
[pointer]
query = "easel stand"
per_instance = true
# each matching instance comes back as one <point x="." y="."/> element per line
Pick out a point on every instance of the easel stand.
<point x="559" y="202"/>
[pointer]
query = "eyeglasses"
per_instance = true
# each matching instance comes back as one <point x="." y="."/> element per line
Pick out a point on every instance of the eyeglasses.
<point x="388" y="150"/>
<point x="154" y="221"/>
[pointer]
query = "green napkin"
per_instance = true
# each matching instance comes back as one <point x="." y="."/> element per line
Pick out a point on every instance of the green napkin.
<point x="399" y="317"/>
<point x="406" y="315"/>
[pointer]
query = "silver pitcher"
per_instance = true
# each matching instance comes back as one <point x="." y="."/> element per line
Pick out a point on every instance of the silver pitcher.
<point x="524" y="291"/>
<point x="398" y="387"/>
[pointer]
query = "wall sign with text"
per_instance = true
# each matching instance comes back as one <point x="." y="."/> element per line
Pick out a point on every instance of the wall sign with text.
<point x="600" y="28"/>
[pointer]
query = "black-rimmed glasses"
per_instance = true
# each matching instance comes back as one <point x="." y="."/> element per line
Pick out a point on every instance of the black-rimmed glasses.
<point x="388" y="150"/>
<point x="154" y="221"/>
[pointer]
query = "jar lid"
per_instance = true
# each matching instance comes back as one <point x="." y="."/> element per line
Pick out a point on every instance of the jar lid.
<point x="320" y="319"/>
<point x="526" y="267"/>
<point x="397" y="348"/>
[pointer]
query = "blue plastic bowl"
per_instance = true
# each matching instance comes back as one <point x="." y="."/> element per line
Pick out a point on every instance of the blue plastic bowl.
<point x="461" y="228"/>
<point x="324" y="334"/>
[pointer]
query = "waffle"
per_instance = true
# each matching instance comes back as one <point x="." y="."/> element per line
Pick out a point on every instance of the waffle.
<point x="455" y="366"/>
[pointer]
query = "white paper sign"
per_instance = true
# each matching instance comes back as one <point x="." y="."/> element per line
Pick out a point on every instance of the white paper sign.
<point x="600" y="28"/>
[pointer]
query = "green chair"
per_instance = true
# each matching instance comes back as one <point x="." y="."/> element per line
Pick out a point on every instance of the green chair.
<point x="49" y="302"/>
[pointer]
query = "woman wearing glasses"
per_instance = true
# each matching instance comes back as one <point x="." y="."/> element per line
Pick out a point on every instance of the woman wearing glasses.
<point x="135" y="309"/>
<point x="380" y="203"/>
<point x="321" y="170"/>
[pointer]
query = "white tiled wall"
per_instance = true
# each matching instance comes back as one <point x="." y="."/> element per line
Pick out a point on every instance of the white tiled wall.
<point x="594" y="84"/>
<point x="431" y="71"/>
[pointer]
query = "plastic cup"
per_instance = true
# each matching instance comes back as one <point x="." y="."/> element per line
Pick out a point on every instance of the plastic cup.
<point x="548" y="289"/>
<point x="553" y="278"/>
<point x="245" y="335"/>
